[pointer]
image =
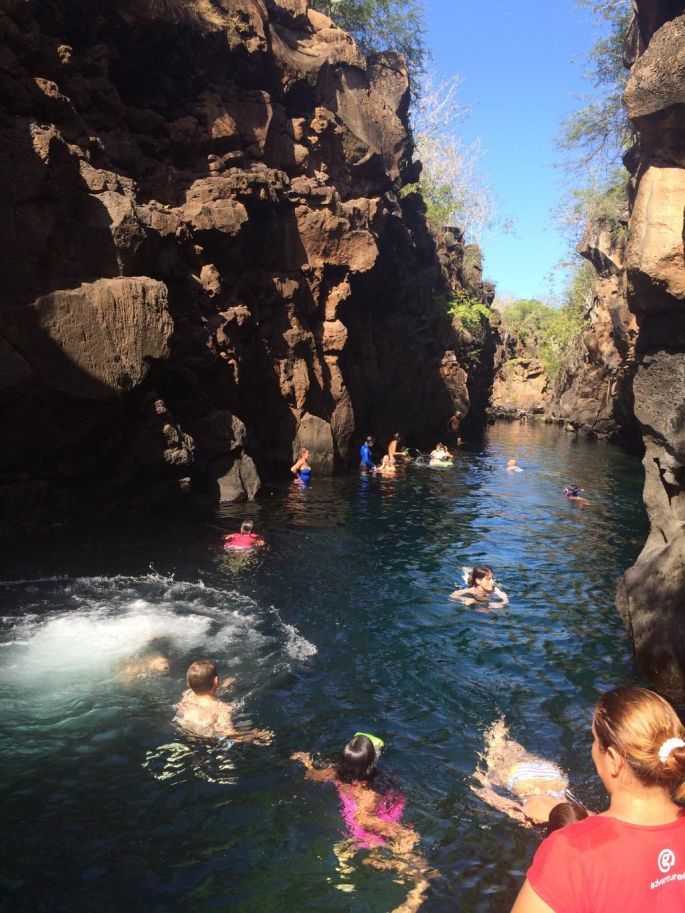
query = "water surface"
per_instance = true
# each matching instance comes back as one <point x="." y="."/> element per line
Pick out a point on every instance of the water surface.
<point x="342" y="624"/>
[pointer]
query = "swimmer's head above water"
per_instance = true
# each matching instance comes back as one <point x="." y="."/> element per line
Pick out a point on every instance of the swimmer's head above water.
<point x="359" y="757"/>
<point x="246" y="526"/>
<point x="483" y="577"/>
<point x="202" y="676"/>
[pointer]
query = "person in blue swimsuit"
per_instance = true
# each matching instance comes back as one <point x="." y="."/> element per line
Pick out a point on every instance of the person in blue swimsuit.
<point x="367" y="464"/>
<point x="301" y="468"/>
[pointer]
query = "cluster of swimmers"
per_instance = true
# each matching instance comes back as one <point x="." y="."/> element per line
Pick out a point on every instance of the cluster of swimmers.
<point x="628" y="858"/>
<point x="395" y="455"/>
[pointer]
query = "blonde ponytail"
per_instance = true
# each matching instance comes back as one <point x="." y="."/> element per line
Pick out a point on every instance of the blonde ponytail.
<point x="645" y="730"/>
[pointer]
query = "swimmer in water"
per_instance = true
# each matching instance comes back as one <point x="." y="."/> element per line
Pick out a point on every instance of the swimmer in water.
<point x="386" y="467"/>
<point x="573" y="493"/>
<point x="537" y="788"/>
<point x="393" y="452"/>
<point x="301" y="468"/>
<point x="512" y="466"/>
<point x="245" y="538"/>
<point x="372" y="818"/>
<point x="441" y="454"/>
<point x="201" y="713"/>
<point x="151" y="665"/>
<point x="481" y="588"/>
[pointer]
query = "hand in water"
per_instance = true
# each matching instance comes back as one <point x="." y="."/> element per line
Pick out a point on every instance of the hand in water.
<point x="227" y="683"/>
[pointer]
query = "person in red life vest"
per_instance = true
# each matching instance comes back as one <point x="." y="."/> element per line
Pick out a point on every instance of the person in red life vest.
<point x="245" y="538"/>
<point x="630" y="858"/>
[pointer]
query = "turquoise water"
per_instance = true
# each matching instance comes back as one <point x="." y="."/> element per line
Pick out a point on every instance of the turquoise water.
<point x="342" y="624"/>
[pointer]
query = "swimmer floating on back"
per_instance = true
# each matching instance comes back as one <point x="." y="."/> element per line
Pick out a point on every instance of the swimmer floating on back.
<point x="537" y="788"/>
<point x="372" y="818"/>
<point x="301" y="468"/>
<point x="244" y="539"/>
<point x="481" y="588"/>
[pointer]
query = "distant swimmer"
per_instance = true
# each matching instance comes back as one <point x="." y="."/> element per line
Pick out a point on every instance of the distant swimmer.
<point x="301" y="468"/>
<point x="573" y="493"/>
<point x="365" y="455"/>
<point x="512" y="466"/>
<point x="523" y="417"/>
<point x="393" y="448"/>
<point x="440" y="456"/>
<point x="481" y="588"/>
<point x="387" y="467"/>
<point x="537" y="788"/>
<point x="244" y="539"/>
<point x="201" y="713"/>
<point x="372" y="817"/>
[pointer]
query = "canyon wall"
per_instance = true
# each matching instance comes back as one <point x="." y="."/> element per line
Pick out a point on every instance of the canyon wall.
<point x="593" y="395"/>
<point x="206" y="260"/>
<point x="652" y="595"/>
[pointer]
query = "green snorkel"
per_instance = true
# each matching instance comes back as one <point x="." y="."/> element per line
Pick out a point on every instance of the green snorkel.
<point x="377" y="743"/>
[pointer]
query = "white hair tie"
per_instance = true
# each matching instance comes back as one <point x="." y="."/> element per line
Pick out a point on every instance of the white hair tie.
<point x="668" y="747"/>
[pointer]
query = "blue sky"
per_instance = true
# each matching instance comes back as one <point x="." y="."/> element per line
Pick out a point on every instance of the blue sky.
<point x="522" y="70"/>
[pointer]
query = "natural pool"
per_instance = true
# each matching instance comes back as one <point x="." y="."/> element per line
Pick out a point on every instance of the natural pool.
<point x="342" y="624"/>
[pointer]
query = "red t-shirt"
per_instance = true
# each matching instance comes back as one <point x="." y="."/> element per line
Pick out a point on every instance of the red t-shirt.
<point x="602" y="865"/>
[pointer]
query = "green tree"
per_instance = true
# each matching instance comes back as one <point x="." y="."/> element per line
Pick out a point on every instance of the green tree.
<point x="383" y="25"/>
<point x="597" y="134"/>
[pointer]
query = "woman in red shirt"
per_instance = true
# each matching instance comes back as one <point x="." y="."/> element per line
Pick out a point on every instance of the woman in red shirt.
<point x="630" y="858"/>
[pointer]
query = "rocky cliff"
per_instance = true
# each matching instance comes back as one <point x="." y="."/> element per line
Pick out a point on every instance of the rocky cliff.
<point x="594" y="394"/>
<point x="206" y="262"/>
<point x="652" y="595"/>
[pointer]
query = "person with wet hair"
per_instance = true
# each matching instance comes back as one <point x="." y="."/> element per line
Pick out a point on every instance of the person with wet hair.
<point x="372" y="817"/>
<point x="481" y="588"/>
<point x="630" y="858"/>
<point x="565" y="813"/>
<point x="526" y="787"/>
<point x="201" y="713"/>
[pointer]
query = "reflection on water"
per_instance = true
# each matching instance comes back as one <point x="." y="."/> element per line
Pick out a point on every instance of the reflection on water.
<point x="341" y="624"/>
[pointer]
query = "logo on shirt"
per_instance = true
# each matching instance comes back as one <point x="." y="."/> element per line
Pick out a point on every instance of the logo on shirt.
<point x="666" y="860"/>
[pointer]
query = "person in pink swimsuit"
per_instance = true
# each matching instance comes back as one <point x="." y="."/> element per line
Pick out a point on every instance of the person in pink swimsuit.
<point x="372" y="819"/>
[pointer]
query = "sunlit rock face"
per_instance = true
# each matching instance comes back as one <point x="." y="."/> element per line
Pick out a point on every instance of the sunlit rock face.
<point x="205" y="254"/>
<point x="652" y="595"/>
<point x="595" y="396"/>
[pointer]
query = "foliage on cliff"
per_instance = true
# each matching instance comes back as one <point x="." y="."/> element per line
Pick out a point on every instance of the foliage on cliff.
<point x="451" y="183"/>
<point x="383" y="25"/>
<point x="553" y="334"/>
<point x="599" y="132"/>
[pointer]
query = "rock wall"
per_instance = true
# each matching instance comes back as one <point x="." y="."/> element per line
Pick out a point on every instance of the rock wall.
<point x="206" y="262"/>
<point x="594" y="396"/>
<point x="652" y="595"/>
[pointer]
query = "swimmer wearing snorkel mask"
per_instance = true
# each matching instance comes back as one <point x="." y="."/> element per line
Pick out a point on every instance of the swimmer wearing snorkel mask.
<point x="372" y="818"/>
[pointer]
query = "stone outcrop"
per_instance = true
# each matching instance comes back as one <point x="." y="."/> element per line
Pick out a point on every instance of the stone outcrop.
<point x="521" y="384"/>
<point x="206" y="259"/>
<point x="594" y="395"/>
<point x="652" y="595"/>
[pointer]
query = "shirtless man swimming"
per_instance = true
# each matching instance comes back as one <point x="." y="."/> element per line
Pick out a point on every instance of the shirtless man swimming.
<point x="201" y="713"/>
